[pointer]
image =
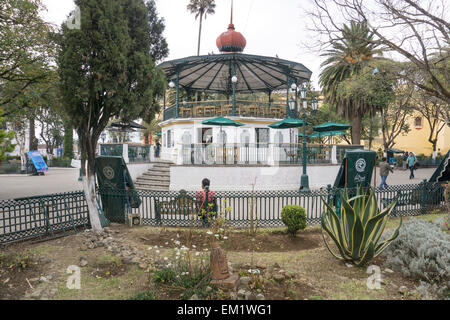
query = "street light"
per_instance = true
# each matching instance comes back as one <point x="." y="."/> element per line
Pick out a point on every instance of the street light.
<point x="234" y="80"/>
<point x="304" y="181"/>
<point x="172" y="84"/>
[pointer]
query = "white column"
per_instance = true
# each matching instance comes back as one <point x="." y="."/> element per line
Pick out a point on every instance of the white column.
<point x="334" y="155"/>
<point x="125" y="153"/>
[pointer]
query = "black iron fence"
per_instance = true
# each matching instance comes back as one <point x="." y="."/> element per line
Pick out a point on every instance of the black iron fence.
<point x="42" y="216"/>
<point x="61" y="213"/>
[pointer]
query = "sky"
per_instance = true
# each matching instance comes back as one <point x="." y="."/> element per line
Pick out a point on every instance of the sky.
<point x="270" y="27"/>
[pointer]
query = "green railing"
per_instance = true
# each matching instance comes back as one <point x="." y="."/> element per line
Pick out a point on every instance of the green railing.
<point x="215" y="108"/>
<point x="111" y="150"/>
<point x="138" y="154"/>
<point x="178" y="208"/>
<point x="42" y="216"/>
<point x="45" y="216"/>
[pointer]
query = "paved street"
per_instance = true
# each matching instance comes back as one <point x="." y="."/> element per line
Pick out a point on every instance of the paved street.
<point x="58" y="180"/>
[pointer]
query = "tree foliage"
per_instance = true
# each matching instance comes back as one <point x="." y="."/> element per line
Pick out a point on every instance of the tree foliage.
<point x="340" y="81"/>
<point x="106" y="71"/>
<point x="159" y="48"/>
<point x="201" y="9"/>
<point x="26" y="47"/>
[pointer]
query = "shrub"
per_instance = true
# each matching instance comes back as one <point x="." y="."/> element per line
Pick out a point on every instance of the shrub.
<point x="357" y="230"/>
<point x="422" y="252"/>
<point x="144" y="295"/>
<point x="294" y="217"/>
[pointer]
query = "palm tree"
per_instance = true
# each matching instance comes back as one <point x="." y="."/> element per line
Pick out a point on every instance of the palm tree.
<point x="201" y="8"/>
<point x="346" y="58"/>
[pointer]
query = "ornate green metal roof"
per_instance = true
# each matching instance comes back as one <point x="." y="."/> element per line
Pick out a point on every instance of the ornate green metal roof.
<point x="213" y="73"/>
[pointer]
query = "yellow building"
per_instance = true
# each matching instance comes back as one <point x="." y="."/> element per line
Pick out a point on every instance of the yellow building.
<point x="416" y="140"/>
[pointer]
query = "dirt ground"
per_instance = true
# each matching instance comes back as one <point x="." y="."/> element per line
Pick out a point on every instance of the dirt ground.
<point x="39" y="270"/>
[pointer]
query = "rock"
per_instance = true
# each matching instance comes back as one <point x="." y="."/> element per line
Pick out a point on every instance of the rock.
<point x="276" y="266"/>
<point x="208" y="289"/>
<point x="83" y="247"/>
<point x="260" y="297"/>
<point x="387" y="270"/>
<point x="43" y="279"/>
<point x="194" y="297"/>
<point x="278" y="277"/>
<point x="403" y="289"/>
<point x="143" y="266"/>
<point x="136" y="260"/>
<point x="244" y="281"/>
<point x="241" y="293"/>
<point x="36" y="293"/>
<point x="282" y="271"/>
<point x="83" y="262"/>
<point x="233" y="296"/>
<point x="249" y="296"/>
<point x="49" y="277"/>
<point x="261" y="265"/>
<point x="349" y="265"/>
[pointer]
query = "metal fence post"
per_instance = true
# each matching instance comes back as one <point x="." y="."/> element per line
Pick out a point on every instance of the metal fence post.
<point x="423" y="204"/>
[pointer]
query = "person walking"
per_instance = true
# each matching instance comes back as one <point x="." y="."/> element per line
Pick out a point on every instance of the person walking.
<point x="412" y="160"/>
<point x="157" y="148"/>
<point x="385" y="168"/>
<point x="405" y="160"/>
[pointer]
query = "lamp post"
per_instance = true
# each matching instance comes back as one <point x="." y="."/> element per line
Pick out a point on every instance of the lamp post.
<point x="304" y="181"/>
<point x="234" y="80"/>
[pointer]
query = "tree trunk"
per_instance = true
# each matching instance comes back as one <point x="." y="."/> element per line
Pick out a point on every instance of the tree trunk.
<point x="199" y="34"/>
<point x="88" y="176"/>
<point x="356" y="129"/>
<point x="32" y="143"/>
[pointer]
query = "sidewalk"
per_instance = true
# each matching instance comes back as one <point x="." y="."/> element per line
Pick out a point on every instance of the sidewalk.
<point x="56" y="180"/>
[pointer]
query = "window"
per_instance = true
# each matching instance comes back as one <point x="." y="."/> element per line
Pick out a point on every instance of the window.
<point x="169" y="138"/>
<point x="418" y="122"/>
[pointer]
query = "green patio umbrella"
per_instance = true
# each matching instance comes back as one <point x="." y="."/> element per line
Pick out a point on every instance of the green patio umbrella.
<point x="331" y="126"/>
<point x="393" y="150"/>
<point x="327" y="134"/>
<point x="288" y="124"/>
<point x="222" y="121"/>
<point x="158" y="134"/>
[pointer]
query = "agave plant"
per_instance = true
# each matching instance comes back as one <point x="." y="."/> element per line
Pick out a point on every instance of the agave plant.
<point x="357" y="231"/>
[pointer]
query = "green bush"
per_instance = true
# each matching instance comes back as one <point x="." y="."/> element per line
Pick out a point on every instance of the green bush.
<point x="422" y="252"/>
<point x="294" y="217"/>
<point x="144" y="295"/>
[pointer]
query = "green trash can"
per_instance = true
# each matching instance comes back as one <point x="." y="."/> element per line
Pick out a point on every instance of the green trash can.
<point x="356" y="170"/>
<point x="118" y="193"/>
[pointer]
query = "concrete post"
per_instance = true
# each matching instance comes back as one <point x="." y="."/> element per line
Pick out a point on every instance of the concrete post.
<point x="334" y="155"/>
<point x="125" y="153"/>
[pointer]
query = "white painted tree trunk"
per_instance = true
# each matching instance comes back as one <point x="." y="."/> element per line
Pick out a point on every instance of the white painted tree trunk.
<point x="89" y="191"/>
<point x="434" y="155"/>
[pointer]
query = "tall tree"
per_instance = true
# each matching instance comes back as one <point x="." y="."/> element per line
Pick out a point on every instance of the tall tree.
<point x="26" y="47"/>
<point x="158" y="44"/>
<point x="348" y="55"/>
<point x="417" y="30"/>
<point x="5" y="138"/>
<point x="432" y="109"/>
<point x="68" y="140"/>
<point x="106" y="71"/>
<point x="201" y="8"/>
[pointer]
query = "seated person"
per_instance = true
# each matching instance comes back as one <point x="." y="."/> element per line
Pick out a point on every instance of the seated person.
<point x="203" y="209"/>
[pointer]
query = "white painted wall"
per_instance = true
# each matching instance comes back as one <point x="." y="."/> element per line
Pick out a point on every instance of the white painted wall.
<point x="137" y="169"/>
<point x="241" y="178"/>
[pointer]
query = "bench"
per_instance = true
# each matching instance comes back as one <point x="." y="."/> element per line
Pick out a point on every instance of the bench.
<point x="182" y="205"/>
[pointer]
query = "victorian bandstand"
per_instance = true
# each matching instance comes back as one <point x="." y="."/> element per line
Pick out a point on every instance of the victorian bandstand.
<point x="227" y="77"/>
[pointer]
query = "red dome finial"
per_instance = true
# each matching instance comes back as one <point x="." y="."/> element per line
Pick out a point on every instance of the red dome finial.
<point x="231" y="41"/>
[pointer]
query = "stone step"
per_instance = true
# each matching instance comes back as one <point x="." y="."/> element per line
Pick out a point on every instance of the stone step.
<point x="154" y="173"/>
<point x="165" y="169"/>
<point x="153" y="183"/>
<point x="152" y="188"/>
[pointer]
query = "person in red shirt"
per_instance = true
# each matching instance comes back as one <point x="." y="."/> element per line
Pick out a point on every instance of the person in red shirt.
<point x="206" y="207"/>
